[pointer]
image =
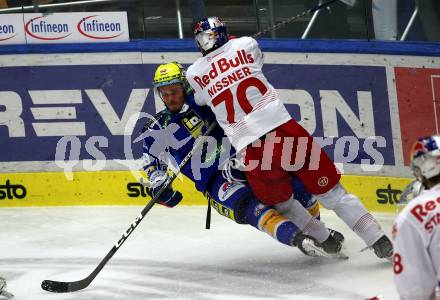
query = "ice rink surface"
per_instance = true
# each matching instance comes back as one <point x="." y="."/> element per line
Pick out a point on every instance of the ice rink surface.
<point x="171" y="256"/>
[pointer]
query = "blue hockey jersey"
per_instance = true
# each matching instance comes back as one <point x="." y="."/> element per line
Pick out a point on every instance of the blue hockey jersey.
<point x="170" y="137"/>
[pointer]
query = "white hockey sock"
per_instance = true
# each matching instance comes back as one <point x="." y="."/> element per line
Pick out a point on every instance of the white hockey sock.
<point x="368" y="229"/>
<point x="349" y="208"/>
<point x="294" y="211"/>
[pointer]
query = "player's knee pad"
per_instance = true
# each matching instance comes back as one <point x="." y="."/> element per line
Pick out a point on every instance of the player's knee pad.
<point x="228" y="198"/>
<point x="306" y="199"/>
<point x="268" y="219"/>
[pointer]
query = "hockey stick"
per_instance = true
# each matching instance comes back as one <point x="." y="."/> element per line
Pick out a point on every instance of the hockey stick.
<point x="291" y="19"/>
<point x="63" y="287"/>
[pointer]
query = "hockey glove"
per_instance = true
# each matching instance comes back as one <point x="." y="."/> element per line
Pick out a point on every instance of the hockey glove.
<point x="168" y="197"/>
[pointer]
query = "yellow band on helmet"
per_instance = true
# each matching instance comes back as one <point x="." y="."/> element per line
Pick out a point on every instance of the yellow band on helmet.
<point x="170" y="73"/>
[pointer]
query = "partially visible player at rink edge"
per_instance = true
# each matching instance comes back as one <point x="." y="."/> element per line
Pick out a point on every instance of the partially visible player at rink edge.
<point x="3" y="291"/>
<point x="224" y="188"/>
<point x="416" y="231"/>
<point x="229" y="79"/>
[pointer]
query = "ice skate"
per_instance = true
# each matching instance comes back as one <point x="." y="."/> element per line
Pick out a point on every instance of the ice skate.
<point x="3" y="291"/>
<point x="383" y="248"/>
<point x="330" y="248"/>
<point x="339" y="237"/>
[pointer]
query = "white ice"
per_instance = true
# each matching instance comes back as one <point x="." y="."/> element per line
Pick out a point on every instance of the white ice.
<point x="171" y="256"/>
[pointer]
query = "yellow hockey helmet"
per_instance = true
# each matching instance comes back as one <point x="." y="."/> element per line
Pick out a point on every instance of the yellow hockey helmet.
<point x="170" y="73"/>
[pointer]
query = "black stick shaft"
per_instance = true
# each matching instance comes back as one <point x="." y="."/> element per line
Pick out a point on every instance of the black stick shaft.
<point x="62" y="287"/>
<point x="291" y="19"/>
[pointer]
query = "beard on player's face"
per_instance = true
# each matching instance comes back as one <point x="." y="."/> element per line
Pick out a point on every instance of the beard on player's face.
<point x="173" y="96"/>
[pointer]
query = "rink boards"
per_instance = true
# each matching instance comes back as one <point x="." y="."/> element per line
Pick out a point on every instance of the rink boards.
<point x="70" y="108"/>
<point x="379" y="194"/>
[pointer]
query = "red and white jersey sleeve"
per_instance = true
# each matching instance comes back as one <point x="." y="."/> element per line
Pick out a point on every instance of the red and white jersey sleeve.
<point x="416" y="234"/>
<point x="231" y="82"/>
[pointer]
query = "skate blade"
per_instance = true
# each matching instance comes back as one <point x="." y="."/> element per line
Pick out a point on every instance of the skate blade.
<point x="315" y="251"/>
<point x="389" y="258"/>
<point x="6" y="294"/>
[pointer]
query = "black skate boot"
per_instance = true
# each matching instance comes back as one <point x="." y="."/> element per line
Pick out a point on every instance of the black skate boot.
<point x="337" y="235"/>
<point x="298" y="242"/>
<point x="330" y="248"/>
<point x="331" y="244"/>
<point x="383" y="248"/>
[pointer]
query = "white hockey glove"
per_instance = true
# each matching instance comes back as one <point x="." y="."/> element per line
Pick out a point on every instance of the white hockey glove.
<point x="168" y="197"/>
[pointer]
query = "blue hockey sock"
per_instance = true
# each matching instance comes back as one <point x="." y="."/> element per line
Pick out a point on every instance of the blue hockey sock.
<point x="266" y="218"/>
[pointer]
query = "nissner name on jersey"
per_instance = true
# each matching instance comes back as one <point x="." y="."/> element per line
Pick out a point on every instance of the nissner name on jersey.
<point x="420" y="211"/>
<point x="223" y="65"/>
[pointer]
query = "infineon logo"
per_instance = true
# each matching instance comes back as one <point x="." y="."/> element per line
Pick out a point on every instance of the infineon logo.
<point x="93" y="28"/>
<point x="40" y="28"/>
<point x="7" y="32"/>
<point x="56" y="28"/>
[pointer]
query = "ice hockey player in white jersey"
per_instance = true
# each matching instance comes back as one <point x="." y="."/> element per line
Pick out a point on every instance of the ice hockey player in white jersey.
<point x="416" y="232"/>
<point x="229" y="79"/>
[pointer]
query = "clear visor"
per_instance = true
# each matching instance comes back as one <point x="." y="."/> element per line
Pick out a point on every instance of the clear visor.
<point x="426" y="165"/>
<point x="160" y="93"/>
<point x="160" y="105"/>
<point x="206" y="39"/>
<point x="417" y="164"/>
<point x="170" y="90"/>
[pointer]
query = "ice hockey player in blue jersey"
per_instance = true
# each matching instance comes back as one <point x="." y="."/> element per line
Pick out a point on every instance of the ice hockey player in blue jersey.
<point x="170" y="137"/>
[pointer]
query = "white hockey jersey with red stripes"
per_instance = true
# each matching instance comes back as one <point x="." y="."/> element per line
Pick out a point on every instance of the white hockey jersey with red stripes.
<point x="416" y="235"/>
<point x="231" y="82"/>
